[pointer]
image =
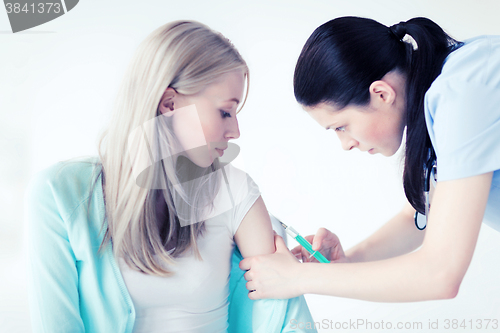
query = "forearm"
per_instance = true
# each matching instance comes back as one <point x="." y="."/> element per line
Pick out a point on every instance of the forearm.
<point x="397" y="237"/>
<point x="434" y="271"/>
<point x="408" y="278"/>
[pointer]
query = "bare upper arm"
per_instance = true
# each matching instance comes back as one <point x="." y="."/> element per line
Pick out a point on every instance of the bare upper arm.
<point x="455" y="218"/>
<point x="255" y="234"/>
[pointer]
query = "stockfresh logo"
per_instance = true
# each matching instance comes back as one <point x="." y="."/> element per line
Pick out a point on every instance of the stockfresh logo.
<point x="24" y="15"/>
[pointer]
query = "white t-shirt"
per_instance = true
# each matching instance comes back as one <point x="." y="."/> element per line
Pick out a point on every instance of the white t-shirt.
<point x="195" y="298"/>
<point x="462" y="112"/>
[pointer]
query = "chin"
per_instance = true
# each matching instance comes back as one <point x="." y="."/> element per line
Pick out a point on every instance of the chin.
<point x="200" y="156"/>
<point x="390" y="153"/>
<point x="202" y="163"/>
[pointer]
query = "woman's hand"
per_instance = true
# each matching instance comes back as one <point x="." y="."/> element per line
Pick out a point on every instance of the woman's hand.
<point x="273" y="275"/>
<point x="327" y="243"/>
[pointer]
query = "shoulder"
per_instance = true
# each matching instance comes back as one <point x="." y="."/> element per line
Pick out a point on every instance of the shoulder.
<point x="470" y="78"/>
<point x="237" y="195"/>
<point x="477" y="58"/>
<point x="476" y="62"/>
<point x="239" y="180"/>
<point x="67" y="184"/>
<point x="461" y="110"/>
<point x="234" y="173"/>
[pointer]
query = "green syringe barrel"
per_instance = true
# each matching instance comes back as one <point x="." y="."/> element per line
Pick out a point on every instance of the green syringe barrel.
<point x="302" y="241"/>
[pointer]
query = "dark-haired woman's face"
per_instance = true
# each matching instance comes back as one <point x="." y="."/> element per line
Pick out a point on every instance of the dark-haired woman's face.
<point x="375" y="130"/>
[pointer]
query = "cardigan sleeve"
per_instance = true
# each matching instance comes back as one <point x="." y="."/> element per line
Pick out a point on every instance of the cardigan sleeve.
<point x="51" y="264"/>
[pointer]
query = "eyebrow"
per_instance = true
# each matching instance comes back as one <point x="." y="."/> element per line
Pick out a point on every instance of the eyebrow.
<point x="234" y="100"/>
<point x="332" y="124"/>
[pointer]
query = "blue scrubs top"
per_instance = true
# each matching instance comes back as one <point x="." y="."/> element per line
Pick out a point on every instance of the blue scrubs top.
<point x="462" y="112"/>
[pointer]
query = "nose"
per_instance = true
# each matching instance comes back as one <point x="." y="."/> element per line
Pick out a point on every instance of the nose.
<point x="348" y="143"/>
<point x="232" y="129"/>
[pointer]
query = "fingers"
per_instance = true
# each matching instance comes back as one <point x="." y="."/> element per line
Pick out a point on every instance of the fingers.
<point x="302" y="254"/>
<point x="245" y="264"/>
<point x="250" y="286"/>
<point x="280" y="244"/>
<point x="296" y="250"/>
<point x="321" y="234"/>
<point x="317" y="242"/>
<point x="298" y="255"/>
<point x="253" y="295"/>
<point x="309" y="238"/>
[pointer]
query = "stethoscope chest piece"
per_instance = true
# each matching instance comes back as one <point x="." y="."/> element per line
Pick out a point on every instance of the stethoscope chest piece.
<point x="430" y="170"/>
<point x="420" y="221"/>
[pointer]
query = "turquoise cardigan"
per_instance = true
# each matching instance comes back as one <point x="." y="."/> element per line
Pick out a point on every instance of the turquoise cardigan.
<point x="73" y="289"/>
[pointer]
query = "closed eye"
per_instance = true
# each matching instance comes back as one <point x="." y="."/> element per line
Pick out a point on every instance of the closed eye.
<point x="340" y="129"/>
<point x="224" y="114"/>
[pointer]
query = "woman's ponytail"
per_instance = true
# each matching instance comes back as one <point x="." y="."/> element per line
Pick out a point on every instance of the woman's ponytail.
<point x="433" y="45"/>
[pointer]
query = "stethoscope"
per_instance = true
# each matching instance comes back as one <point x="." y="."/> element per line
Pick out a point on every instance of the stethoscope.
<point x="430" y="169"/>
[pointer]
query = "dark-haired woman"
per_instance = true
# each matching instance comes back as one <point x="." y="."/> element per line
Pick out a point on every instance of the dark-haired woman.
<point x="369" y="82"/>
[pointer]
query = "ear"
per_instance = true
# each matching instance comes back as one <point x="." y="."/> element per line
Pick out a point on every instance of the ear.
<point x="382" y="93"/>
<point x="167" y="102"/>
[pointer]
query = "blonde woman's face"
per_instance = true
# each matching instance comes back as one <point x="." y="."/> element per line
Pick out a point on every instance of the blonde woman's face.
<point x="205" y="122"/>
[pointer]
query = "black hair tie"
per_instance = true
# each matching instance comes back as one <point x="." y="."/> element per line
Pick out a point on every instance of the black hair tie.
<point x="398" y="30"/>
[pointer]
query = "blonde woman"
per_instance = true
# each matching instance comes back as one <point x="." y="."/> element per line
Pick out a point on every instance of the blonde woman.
<point x="140" y="239"/>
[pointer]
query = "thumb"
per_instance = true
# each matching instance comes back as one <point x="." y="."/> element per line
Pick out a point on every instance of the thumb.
<point x="318" y="238"/>
<point x="280" y="244"/>
<point x="245" y="264"/>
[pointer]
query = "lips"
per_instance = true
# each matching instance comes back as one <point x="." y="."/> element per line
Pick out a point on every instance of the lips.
<point x="220" y="151"/>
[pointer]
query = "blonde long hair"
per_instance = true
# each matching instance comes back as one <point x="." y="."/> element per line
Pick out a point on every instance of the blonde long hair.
<point x="187" y="56"/>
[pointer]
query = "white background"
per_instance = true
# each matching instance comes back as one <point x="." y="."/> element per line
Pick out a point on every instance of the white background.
<point x="58" y="82"/>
